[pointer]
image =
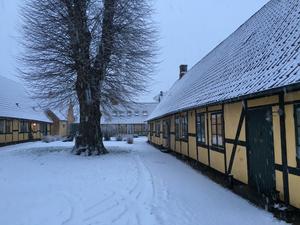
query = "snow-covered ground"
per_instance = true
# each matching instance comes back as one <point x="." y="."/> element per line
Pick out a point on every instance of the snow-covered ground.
<point x="43" y="184"/>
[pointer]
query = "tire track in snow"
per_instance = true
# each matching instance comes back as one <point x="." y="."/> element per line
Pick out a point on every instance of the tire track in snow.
<point x="99" y="203"/>
<point x="102" y="211"/>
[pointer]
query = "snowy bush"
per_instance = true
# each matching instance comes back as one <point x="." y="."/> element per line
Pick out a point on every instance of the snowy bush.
<point x="106" y="137"/>
<point x="119" y="138"/>
<point x="50" y="138"/>
<point x="129" y="140"/>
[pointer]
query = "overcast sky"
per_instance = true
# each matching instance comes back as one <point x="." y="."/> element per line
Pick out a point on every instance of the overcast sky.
<point x="188" y="30"/>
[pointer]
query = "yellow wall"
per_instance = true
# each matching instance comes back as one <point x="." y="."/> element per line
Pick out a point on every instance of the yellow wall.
<point x="239" y="167"/>
<point x="232" y="114"/>
<point x="294" y="185"/>
<point x="192" y="122"/>
<point x="290" y="135"/>
<point x="192" y="148"/>
<point x="177" y="147"/>
<point x="8" y="138"/>
<point x="2" y="138"/>
<point x="16" y="136"/>
<point x="173" y="148"/>
<point x="217" y="161"/>
<point x="203" y="155"/>
<point x="263" y="101"/>
<point x="279" y="184"/>
<point x="292" y="96"/>
<point x="184" y="148"/>
<point x="215" y="108"/>
<point x="63" y="128"/>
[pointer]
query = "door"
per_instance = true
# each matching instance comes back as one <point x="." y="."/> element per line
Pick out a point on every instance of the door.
<point x="261" y="166"/>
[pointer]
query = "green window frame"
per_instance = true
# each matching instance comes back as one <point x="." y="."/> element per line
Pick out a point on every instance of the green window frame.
<point x="217" y="132"/>
<point x="2" y="126"/>
<point x="297" y="129"/>
<point x="8" y="126"/>
<point x="200" y="128"/>
<point x="157" y="129"/>
<point x="23" y="126"/>
<point x="165" y="129"/>
<point x="151" y="129"/>
<point x="43" y="128"/>
<point x="184" y="127"/>
<point x="177" y="127"/>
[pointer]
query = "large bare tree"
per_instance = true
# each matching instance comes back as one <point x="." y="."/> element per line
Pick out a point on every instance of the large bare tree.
<point x="94" y="52"/>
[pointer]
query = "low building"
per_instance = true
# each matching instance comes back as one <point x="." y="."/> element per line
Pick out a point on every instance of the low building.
<point x="128" y="120"/>
<point x="237" y="110"/>
<point x="21" y="119"/>
<point x="62" y="121"/>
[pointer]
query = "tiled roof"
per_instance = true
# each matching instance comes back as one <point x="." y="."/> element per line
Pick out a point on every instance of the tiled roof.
<point x="16" y="103"/>
<point x="263" y="54"/>
<point x="138" y="108"/>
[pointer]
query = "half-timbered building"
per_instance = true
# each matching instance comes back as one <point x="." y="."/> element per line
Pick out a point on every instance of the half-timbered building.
<point x="21" y="119"/>
<point x="237" y="111"/>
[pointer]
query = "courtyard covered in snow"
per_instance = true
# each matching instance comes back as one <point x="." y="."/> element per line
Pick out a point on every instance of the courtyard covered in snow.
<point x="43" y="183"/>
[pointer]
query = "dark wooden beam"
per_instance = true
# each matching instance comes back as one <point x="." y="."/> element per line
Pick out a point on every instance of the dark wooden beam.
<point x="283" y="148"/>
<point x="235" y="144"/>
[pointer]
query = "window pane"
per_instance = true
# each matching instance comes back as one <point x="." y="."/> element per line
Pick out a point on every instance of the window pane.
<point x="214" y="129"/>
<point x="214" y="139"/>
<point x="298" y="152"/>
<point x="2" y="126"/>
<point x="219" y="118"/>
<point x="220" y="129"/>
<point x="298" y="115"/>
<point x="220" y="140"/>
<point x="8" y="126"/>
<point x="298" y="136"/>
<point x="213" y="119"/>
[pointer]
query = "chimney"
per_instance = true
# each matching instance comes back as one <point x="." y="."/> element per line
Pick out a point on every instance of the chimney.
<point x="183" y="69"/>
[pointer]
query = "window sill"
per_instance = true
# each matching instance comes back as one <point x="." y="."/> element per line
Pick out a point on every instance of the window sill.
<point x="202" y="144"/>
<point x="220" y="149"/>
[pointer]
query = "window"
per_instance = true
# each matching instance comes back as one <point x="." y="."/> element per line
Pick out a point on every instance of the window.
<point x="2" y="126"/>
<point x="8" y="126"/>
<point x="136" y="113"/>
<point x="177" y="127"/>
<point x="184" y="127"/>
<point x="151" y="129"/>
<point x="165" y="129"/>
<point x="129" y="113"/>
<point x="121" y="114"/>
<point x="201" y="128"/>
<point x="217" y="129"/>
<point x="297" y="127"/>
<point x="145" y="113"/>
<point x="157" y="129"/>
<point x="43" y="128"/>
<point x="114" y="113"/>
<point x="24" y="127"/>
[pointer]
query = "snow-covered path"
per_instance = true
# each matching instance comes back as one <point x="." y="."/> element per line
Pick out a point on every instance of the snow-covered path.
<point x="43" y="184"/>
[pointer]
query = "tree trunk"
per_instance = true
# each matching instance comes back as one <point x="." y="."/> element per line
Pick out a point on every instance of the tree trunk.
<point x="89" y="140"/>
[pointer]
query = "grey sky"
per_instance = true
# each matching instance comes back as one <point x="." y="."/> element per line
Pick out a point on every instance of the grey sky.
<point x="189" y="29"/>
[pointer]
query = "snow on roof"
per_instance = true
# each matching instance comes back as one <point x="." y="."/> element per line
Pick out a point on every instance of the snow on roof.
<point x="16" y="103"/>
<point x="134" y="114"/>
<point x="60" y="114"/>
<point x="263" y="54"/>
